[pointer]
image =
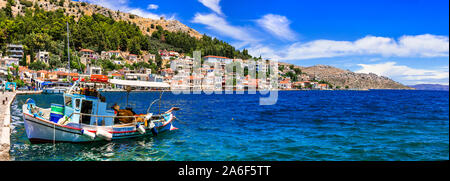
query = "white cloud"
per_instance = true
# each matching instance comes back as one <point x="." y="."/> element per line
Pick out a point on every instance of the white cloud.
<point x="278" y="26"/>
<point x="213" y="5"/>
<point x="123" y="6"/>
<point x="220" y="25"/>
<point x="405" y="74"/>
<point x="406" y="46"/>
<point x="152" y="6"/>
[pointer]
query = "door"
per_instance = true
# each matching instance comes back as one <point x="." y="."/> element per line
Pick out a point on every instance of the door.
<point x="86" y="108"/>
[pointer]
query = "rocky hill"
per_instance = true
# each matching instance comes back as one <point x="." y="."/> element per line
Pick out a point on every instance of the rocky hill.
<point x="343" y="78"/>
<point x="78" y="9"/>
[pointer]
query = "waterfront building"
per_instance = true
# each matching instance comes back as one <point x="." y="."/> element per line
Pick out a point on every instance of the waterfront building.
<point x="285" y="84"/>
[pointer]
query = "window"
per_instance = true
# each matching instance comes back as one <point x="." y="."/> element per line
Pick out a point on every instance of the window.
<point x="77" y="103"/>
<point x="68" y="102"/>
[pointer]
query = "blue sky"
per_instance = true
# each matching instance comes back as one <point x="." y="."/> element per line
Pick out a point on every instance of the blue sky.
<point x="405" y="40"/>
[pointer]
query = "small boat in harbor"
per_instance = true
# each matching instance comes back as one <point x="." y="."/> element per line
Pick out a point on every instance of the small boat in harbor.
<point x="84" y="117"/>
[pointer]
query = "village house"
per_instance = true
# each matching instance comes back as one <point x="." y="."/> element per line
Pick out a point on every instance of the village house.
<point x="7" y="61"/>
<point x="321" y="86"/>
<point x="302" y="84"/>
<point x="61" y="75"/>
<point x="93" y="70"/>
<point x="141" y="74"/>
<point x="155" y="78"/>
<point x="52" y="76"/>
<point x="87" y="53"/>
<point x="167" y="72"/>
<point x="133" y="58"/>
<point x="25" y="74"/>
<point x="285" y="84"/>
<point x="113" y="53"/>
<point x="42" y="75"/>
<point x="216" y="59"/>
<point x="195" y="82"/>
<point x="113" y="75"/>
<point x="149" y="57"/>
<point x="43" y="56"/>
<point x="174" y="54"/>
<point x="118" y="62"/>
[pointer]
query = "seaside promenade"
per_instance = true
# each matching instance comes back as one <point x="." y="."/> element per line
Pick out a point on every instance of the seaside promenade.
<point x="6" y="99"/>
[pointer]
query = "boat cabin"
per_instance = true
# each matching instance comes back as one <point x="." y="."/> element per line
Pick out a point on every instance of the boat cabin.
<point x="86" y="104"/>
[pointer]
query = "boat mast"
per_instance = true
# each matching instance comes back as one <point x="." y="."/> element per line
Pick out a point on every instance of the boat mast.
<point x="68" y="46"/>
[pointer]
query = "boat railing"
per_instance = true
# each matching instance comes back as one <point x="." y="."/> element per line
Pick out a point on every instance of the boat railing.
<point x="104" y="116"/>
<point x="149" y="107"/>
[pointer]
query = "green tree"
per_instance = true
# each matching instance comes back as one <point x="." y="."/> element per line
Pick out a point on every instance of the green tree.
<point x="158" y="60"/>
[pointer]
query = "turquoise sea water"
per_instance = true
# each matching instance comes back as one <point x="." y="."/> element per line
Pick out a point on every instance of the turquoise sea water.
<point x="303" y="125"/>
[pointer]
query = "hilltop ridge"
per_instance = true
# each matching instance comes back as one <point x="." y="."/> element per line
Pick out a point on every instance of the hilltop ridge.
<point x="78" y="9"/>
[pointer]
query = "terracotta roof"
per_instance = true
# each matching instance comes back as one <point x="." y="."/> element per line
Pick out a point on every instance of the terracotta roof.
<point x="211" y="56"/>
<point x="61" y="73"/>
<point x="86" y="50"/>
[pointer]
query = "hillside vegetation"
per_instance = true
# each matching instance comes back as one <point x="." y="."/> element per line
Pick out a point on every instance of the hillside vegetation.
<point x="39" y="29"/>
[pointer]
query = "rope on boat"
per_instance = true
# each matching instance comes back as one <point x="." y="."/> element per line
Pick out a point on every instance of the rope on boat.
<point x="54" y="133"/>
<point x="182" y="122"/>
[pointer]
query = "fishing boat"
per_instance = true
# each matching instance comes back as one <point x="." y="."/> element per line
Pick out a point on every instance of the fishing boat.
<point x="84" y="117"/>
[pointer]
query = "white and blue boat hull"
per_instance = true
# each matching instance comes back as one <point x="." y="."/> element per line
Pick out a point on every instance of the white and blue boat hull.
<point x="38" y="129"/>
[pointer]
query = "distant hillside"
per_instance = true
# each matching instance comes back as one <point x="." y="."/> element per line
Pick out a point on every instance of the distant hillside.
<point x="430" y="87"/>
<point x="41" y="25"/>
<point x="78" y="9"/>
<point x="343" y="78"/>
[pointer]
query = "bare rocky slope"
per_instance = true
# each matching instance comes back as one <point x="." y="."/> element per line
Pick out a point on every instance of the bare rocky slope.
<point x="77" y="9"/>
<point x="343" y="78"/>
